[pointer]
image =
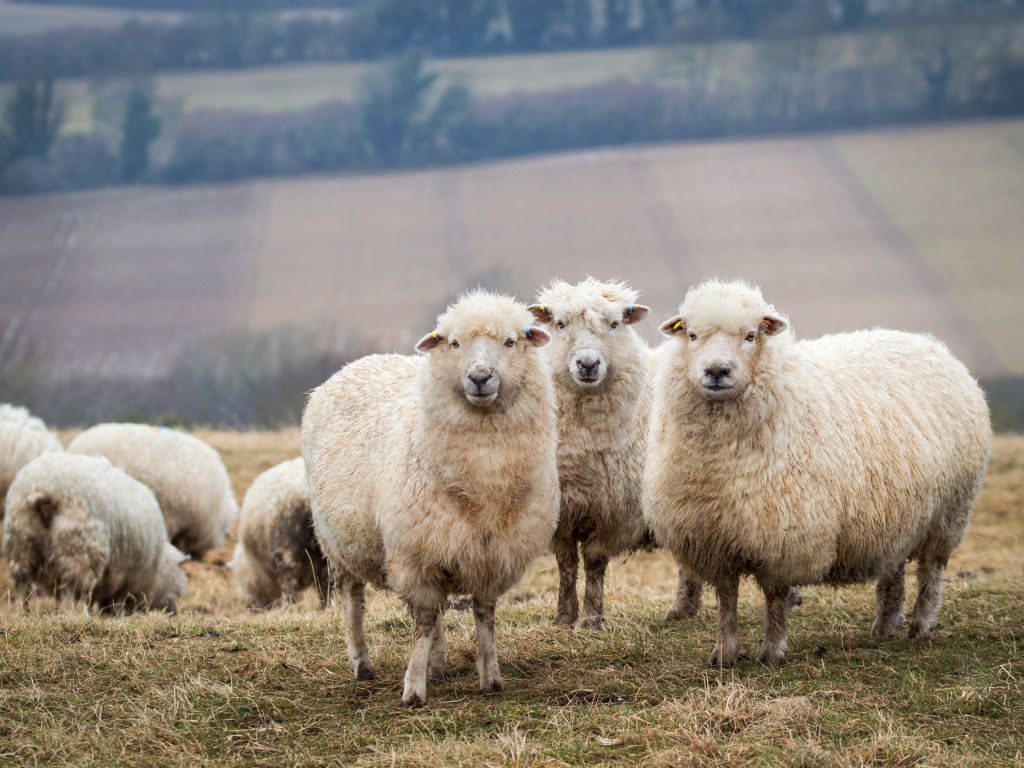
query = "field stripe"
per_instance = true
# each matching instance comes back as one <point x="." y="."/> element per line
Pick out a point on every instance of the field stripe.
<point x="957" y="323"/>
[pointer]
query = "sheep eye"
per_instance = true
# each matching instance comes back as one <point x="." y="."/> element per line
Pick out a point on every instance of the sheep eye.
<point x="615" y="325"/>
<point x="455" y="345"/>
<point x="693" y="336"/>
<point x="751" y="336"/>
<point x="510" y="342"/>
<point x="560" y="324"/>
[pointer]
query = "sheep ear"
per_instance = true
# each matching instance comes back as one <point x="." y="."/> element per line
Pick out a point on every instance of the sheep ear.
<point x="672" y="326"/>
<point x="541" y="313"/>
<point x="537" y="336"/>
<point x="635" y="313"/>
<point x="771" y="325"/>
<point x="429" y="341"/>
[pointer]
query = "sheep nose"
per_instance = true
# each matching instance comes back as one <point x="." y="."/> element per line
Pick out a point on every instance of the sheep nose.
<point x="717" y="371"/>
<point x="588" y="365"/>
<point x="480" y="378"/>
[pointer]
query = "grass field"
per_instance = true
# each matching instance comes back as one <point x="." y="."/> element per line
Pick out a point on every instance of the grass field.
<point x="219" y="684"/>
<point x="917" y="229"/>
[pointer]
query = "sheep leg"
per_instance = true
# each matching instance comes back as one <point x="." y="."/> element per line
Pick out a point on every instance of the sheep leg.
<point x="568" y="559"/>
<point x="689" y="590"/>
<point x="773" y="648"/>
<point x="727" y="649"/>
<point x="890" y="594"/>
<point x="929" y="596"/>
<point x="353" y="595"/>
<point x="594" y="566"/>
<point x="437" y="664"/>
<point x="794" y="597"/>
<point x="486" y="650"/>
<point x="424" y="624"/>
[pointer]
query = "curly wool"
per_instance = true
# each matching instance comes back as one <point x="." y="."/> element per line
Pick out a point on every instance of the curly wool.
<point x="843" y="457"/>
<point x="80" y="528"/>
<point x="23" y="437"/>
<point x="187" y="476"/>
<point x="278" y="556"/>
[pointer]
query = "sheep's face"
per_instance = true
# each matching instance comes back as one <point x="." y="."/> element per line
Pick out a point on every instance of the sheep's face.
<point x="590" y="333"/>
<point x="720" y="344"/>
<point x="485" y="363"/>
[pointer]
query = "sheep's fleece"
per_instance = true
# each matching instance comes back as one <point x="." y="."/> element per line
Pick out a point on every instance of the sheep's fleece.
<point x="80" y="528"/>
<point x="187" y="476"/>
<point x="437" y="475"/>
<point x="278" y="556"/>
<point x="800" y="462"/>
<point x="23" y="437"/>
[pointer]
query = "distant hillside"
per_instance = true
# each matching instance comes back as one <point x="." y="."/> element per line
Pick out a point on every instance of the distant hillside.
<point x="918" y="229"/>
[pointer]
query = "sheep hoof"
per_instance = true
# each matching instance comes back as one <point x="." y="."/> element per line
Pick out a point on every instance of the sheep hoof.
<point x="920" y="631"/>
<point x="440" y="674"/>
<point x="718" y="661"/>
<point x="887" y="627"/>
<point x="678" y="613"/>
<point x="495" y="686"/>
<point x="592" y="622"/>
<point x="771" y="656"/>
<point x="564" y="620"/>
<point x="413" y="701"/>
<point x="364" y="671"/>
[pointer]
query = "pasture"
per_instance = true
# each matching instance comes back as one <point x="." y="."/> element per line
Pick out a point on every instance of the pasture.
<point x="220" y="684"/>
<point x="915" y="228"/>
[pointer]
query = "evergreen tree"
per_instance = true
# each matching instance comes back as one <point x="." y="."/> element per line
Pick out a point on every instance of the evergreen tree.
<point x="139" y="129"/>
<point x="34" y="117"/>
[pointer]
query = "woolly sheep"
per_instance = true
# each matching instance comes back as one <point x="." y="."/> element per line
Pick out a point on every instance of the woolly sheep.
<point x="436" y="475"/>
<point x="23" y="437"/>
<point x="833" y="460"/>
<point x="602" y="374"/>
<point x="81" y="529"/>
<point x="187" y="476"/>
<point x="277" y="555"/>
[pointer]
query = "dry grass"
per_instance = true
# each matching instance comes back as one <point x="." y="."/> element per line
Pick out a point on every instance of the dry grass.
<point x="221" y="685"/>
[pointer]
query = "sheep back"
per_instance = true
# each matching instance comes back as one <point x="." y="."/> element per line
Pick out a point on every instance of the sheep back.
<point x="23" y="437"/>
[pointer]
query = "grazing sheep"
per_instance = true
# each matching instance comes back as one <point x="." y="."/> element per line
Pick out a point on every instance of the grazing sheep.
<point x="833" y="460"/>
<point x="187" y="476"/>
<point x="278" y="556"/>
<point x="81" y="529"/>
<point x="602" y="373"/>
<point x="435" y="476"/>
<point x="23" y="437"/>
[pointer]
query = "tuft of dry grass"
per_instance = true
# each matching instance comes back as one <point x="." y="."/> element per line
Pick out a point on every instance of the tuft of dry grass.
<point x="220" y="685"/>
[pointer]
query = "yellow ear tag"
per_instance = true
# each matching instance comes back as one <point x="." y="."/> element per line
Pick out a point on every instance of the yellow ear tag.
<point x="434" y="335"/>
<point x="542" y="308"/>
<point x="677" y="326"/>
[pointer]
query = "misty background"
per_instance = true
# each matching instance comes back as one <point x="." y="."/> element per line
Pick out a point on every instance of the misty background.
<point x="207" y="207"/>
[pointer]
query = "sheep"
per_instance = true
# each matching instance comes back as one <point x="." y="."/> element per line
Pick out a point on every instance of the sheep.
<point x="436" y="475"/>
<point x="602" y="374"/>
<point x="79" y="528"/>
<point x="187" y="476"/>
<point x="277" y="555"/>
<point x="832" y="460"/>
<point x="23" y="437"/>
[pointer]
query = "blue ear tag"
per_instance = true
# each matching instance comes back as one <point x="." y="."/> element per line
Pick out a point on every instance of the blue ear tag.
<point x="629" y="310"/>
<point x="529" y="332"/>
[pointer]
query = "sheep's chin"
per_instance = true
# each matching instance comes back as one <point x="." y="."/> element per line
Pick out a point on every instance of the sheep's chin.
<point x="588" y="383"/>
<point x="481" y="400"/>
<point x="719" y="393"/>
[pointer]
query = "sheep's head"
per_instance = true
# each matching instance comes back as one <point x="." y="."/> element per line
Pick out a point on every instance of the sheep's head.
<point x="482" y="347"/>
<point x="590" y="330"/>
<point x="722" y="329"/>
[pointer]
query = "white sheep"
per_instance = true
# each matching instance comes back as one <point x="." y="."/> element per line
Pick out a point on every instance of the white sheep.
<point x="277" y="555"/>
<point x="436" y="475"/>
<point x="23" y="437"/>
<point x="832" y="460"/>
<point x="187" y="476"/>
<point x="81" y="529"/>
<point x="602" y="373"/>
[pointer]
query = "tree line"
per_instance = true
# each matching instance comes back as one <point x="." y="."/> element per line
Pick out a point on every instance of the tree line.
<point x="239" y="33"/>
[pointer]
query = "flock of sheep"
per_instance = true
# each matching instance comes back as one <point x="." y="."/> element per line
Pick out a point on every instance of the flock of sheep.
<point x="522" y="429"/>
